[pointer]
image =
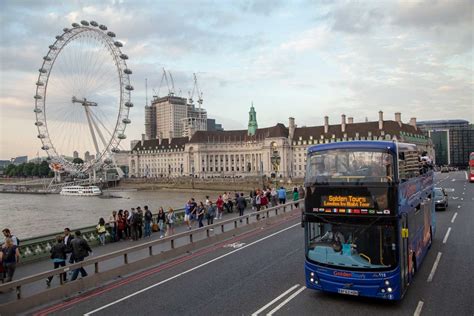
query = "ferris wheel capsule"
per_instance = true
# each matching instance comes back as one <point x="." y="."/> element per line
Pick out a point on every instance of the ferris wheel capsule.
<point x="75" y="25"/>
<point x="94" y="23"/>
<point x="103" y="27"/>
<point x="85" y="23"/>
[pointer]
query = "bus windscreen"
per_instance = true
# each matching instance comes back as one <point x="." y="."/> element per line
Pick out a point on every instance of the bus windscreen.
<point x="346" y="165"/>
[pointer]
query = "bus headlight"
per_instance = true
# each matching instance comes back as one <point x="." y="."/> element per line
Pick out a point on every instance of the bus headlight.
<point x="389" y="290"/>
<point x="312" y="274"/>
<point x="311" y="280"/>
<point x="387" y="283"/>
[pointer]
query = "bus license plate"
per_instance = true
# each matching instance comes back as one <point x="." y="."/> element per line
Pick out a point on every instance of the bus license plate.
<point x="348" y="292"/>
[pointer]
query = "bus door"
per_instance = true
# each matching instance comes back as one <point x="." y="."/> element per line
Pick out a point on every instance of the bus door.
<point x="404" y="252"/>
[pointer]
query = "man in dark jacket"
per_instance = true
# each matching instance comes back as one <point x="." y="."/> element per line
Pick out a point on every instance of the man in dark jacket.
<point x="80" y="250"/>
<point x="241" y="204"/>
<point x="58" y="256"/>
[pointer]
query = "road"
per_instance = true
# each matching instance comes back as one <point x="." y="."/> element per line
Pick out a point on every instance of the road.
<point x="262" y="272"/>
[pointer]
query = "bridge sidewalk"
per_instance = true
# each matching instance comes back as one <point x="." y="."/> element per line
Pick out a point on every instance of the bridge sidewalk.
<point x="32" y="268"/>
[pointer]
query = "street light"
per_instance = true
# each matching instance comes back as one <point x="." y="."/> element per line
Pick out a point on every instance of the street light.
<point x="275" y="160"/>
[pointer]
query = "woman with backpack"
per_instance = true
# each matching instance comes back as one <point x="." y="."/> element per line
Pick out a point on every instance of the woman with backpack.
<point x="9" y="257"/>
<point x="58" y="256"/>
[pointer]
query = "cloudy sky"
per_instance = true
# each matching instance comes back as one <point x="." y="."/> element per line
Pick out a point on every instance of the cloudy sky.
<point x="304" y="59"/>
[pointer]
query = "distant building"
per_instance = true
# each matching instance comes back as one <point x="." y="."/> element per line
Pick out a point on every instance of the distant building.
<point x="19" y="160"/>
<point x="453" y="140"/>
<point x="174" y="117"/>
<point x="213" y="126"/>
<point x="277" y="150"/>
<point x="75" y="155"/>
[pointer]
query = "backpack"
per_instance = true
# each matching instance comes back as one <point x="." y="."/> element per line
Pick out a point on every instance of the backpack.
<point x="17" y="240"/>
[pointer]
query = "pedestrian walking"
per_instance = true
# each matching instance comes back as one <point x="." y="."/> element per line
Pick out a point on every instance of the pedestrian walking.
<point x="139" y="224"/>
<point x="121" y="225"/>
<point x="296" y="196"/>
<point x="187" y="214"/>
<point x="200" y="213"/>
<point x="113" y="225"/>
<point x="10" y="256"/>
<point x="241" y="205"/>
<point x="80" y="250"/>
<point x="148" y="217"/>
<point x="211" y="213"/>
<point x="301" y="192"/>
<point x="274" y="197"/>
<point x="67" y="239"/>
<point x="161" y="219"/>
<point x="134" y="219"/>
<point x="220" y="207"/>
<point x="128" y="226"/>
<point x="281" y="195"/>
<point x="170" y="222"/>
<point x="101" y="231"/>
<point x="58" y="257"/>
<point x="7" y="234"/>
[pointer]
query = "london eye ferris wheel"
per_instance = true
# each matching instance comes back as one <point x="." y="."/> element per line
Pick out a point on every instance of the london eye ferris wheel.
<point x="82" y="98"/>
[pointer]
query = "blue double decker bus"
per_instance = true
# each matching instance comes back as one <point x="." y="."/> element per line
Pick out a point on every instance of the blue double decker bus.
<point x="368" y="218"/>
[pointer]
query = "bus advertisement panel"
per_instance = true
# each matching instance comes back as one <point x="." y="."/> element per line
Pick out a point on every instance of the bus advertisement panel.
<point x="368" y="217"/>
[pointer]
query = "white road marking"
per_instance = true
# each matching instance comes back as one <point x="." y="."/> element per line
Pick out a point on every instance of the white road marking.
<point x="235" y="245"/>
<point x="449" y="189"/>
<point x="454" y="197"/>
<point x="447" y="235"/>
<point x="418" y="309"/>
<point x="276" y="299"/>
<point x="188" y="271"/>
<point x="459" y="206"/>
<point x="453" y="180"/>
<point x="286" y="301"/>
<point x="462" y="199"/>
<point x="435" y="266"/>
<point x="465" y="172"/>
<point x="454" y="217"/>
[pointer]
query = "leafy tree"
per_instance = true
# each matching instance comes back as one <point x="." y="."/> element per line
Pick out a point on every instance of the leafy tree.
<point x="28" y="169"/>
<point x="35" y="170"/>
<point x="78" y="160"/>
<point x="43" y="169"/>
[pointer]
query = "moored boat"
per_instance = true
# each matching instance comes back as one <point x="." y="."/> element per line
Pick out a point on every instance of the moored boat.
<point x="77" y="190"/>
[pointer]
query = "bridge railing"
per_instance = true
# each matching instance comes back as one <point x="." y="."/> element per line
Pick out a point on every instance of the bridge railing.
<point x="192" y="236"/>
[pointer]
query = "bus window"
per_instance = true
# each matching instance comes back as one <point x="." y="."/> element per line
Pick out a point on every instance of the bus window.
<point x="345" y="165"/>
<point x="340" y="244"/>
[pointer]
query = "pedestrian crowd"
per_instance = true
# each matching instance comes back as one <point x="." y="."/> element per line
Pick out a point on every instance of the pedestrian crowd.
<point x="137" y="223"/>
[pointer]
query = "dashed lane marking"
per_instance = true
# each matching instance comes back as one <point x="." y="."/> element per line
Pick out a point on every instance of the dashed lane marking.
<point x="435" y="266"/>
<point x="276" y="299"/>
<point x="418" y="309"/>
<point x="454" y="217"/>
<point x="292" y="296"/>
<point x="447" y="235"/>
<point x="459" y="206"/>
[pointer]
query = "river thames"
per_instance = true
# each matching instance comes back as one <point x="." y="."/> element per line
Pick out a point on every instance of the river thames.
<point x="29" y="215"/>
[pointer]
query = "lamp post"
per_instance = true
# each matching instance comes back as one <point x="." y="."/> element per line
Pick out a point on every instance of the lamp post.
<point x="275" y="160"/>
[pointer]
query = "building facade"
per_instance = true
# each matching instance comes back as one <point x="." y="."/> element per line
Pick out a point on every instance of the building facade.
<point x="272" y="151"/>
<point x="453" y="140"/>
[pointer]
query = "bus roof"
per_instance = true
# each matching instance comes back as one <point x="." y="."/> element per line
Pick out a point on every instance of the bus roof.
<point x="367" y="144"/>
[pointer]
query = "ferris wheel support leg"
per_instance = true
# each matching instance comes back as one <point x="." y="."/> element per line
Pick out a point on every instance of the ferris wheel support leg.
<point x="91" y="128"/>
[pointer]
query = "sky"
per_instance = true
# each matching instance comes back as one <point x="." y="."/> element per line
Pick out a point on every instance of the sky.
<point x="304" y="59"/>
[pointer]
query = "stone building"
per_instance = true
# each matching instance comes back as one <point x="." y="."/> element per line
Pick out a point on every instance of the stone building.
<point x="277" y="150"/>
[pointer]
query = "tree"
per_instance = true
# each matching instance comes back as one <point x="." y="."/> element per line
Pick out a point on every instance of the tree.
<point x="43" y="169"/>
<point x="78" y="160"/>
<point x="35" y="170"/>
<point x="28" y="169"/>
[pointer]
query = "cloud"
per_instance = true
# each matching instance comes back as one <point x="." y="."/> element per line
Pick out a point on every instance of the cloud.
<point x="433" y="13"/>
